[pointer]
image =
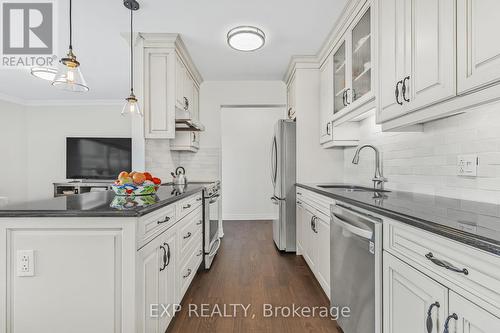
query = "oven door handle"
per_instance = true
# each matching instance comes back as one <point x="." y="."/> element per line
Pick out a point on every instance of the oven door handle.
<point x="213" y="251"/>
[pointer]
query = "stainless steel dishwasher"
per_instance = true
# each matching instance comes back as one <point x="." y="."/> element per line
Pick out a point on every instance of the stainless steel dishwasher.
<point x="356" y="268"/>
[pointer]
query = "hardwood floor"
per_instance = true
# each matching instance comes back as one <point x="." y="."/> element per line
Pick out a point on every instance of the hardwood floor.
<point x="249" y="270"/>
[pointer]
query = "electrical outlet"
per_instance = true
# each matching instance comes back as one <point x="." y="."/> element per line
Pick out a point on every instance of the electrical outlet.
<point x="25" y="263"/>
<point x="467" y="165"/>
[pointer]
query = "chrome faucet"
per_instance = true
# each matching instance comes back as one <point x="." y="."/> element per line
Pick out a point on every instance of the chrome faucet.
<point x="378" y="179"/>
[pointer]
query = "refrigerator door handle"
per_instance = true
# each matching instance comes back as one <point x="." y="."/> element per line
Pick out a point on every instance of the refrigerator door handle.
<point x="274" y="161"/>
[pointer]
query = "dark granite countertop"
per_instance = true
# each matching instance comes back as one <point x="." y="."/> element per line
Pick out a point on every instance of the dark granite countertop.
<point x="473" y="223"/>
<point x="100" y="204"/>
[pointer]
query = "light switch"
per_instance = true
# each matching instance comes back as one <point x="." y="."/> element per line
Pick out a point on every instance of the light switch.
<point x="25" y="263"/>
<point x="467" y="165"/>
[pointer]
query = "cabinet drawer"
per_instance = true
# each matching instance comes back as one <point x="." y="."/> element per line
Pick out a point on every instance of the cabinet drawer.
<point x="317" y="201"/>
<point x="190" y="228"/>
<point x="473" y="271"/>
<point x="153" y="224"/>
<point x="188" y="270"/>
<point x="187" y="205"/>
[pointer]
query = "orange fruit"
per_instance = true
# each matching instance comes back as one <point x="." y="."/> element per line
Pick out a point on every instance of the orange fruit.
<point x="123" y="174"/>
<point x="148" y="176"/>
<point x="139" y="178"/>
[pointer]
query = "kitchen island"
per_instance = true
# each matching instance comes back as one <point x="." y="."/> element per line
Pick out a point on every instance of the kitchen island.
<point x="97" y="262"/>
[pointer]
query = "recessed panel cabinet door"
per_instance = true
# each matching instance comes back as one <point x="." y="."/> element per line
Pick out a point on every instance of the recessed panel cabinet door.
<point x="299" y="225"/>
<point x="169" y="287"/>
<point x="431" y="74"/>
<point x="411" y="298"/>
<point x="478" y="46"/>
<point x="159" y="93"/>
<point x="392" y="58"/>
<point x="323" y="244"/>
<point x="470" y="317"/>
<point x="326" y="100"/>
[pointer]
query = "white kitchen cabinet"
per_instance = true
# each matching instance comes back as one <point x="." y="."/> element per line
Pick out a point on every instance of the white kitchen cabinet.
<point x="411" y="299"/>
<point x="345" y="134"/>
<point x="313" y="234"/>
<point x="326" y="101"/>
<point x="478" y="47"/>
<point x="167" y="81"/>
<point x="417" y="52"/>
<point x="186" y="141"/>
<point x="157" y="265"/>
<point x="291" y="98"/>
<point x="159" y="113"/>
<point x="322" y="233"/>
<point x="470" y="317"/>
<point x="353" y="59"/>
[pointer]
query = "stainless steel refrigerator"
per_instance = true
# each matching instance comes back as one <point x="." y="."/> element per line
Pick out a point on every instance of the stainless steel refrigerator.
<point x="283" y="177"/>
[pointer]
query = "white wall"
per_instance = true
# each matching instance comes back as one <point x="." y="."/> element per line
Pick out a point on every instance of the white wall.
<point x="314" y="164"/>
<point x="38" y="134"/>
<point x="13" y="152"/>
<point x="205" y="164"/>
<point x="426" y="162"/>
<point x="246" y="184"/>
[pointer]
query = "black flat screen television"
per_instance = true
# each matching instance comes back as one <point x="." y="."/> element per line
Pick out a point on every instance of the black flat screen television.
<point x="97" y="158"/>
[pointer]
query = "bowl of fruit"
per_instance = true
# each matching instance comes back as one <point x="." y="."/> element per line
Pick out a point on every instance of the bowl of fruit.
<point x="135" y="184"/>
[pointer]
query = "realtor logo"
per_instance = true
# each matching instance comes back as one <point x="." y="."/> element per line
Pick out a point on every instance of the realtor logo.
<point x="27" y="33"/>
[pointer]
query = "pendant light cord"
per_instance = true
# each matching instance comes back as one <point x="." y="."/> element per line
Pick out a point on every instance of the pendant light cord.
<point x="70" y="25"/>
<point x="131" y="51"/>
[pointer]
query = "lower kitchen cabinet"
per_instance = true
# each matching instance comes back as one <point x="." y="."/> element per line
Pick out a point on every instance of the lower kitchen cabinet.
<point x="470" y="318"/>
<point x="413" y="302"/>
<point x="422" y="270"/>
<point x="157" y="266"/>
<point x="313" y="238"/>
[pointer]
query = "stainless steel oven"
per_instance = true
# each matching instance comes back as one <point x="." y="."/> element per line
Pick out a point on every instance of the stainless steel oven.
<point x="211" y="222"/>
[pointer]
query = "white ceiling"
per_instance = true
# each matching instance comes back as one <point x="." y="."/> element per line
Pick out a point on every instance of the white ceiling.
<point x="293" y="27"/>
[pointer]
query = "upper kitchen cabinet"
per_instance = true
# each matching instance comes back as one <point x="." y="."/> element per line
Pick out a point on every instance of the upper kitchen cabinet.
<point x="478" y="47"/>
<point x="437" y="58"/>
<point x="354" y="80"/>
<point x="345" y="134"/>
<point x="169" y="86"/>
<point x="416" y="55"/>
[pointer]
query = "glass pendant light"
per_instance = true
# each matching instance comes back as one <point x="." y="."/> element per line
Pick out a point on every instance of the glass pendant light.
<point x="132" y="105"/>
<point x="44" y="73"/>
<point x="69" y="77"/>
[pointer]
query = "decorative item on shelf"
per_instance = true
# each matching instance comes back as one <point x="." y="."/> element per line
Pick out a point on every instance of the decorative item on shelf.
<point x="246" y="38"/>
<point x="132" y="104"/>
<point x="132" y="202"/>
<point x="69" y="77"/>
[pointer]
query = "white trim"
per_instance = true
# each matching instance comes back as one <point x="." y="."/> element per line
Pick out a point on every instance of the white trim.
<point x="60" y="102"/>
<point x="247" y="217"/>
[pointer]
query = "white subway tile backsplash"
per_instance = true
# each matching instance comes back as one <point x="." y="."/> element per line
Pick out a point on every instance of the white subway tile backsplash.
<point x="426" y="162"/>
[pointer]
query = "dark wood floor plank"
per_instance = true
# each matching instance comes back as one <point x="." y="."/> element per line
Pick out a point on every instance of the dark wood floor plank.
<point x="250" y="270"/>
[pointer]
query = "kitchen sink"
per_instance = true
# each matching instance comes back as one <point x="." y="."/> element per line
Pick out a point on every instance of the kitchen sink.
<point x="353" y="188"/>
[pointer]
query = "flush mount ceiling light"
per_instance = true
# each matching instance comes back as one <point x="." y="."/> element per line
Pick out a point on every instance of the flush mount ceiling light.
<point x="246" y="38"/>
<point x="131" y="105"/>
<point x="69" y="77"/>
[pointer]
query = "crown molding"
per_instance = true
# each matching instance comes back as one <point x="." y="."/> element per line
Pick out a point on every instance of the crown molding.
<point x="60" y="102"/>
<point x="340" y="26"/>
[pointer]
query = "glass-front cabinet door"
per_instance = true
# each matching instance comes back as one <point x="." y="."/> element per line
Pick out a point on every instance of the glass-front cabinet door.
<point x="340" y="78"/>
<point x="361" y="58"/>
